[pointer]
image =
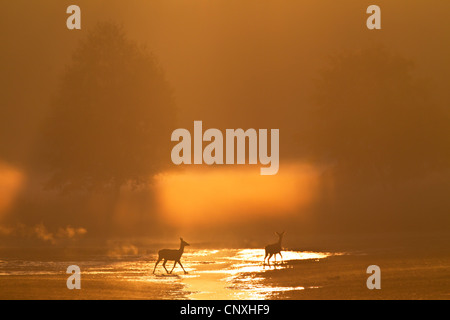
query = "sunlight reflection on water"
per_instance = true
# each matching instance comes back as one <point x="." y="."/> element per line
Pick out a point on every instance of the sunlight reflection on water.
<point x="258" y="255"/>
<point x="241" y="274"/>
<point x="212" y="274"/>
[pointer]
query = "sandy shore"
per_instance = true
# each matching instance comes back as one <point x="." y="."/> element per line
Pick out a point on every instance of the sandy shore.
<point x="344" y="277"/>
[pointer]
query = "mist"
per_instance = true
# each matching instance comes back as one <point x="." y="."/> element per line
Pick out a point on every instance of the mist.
<point x="85" y="147"/>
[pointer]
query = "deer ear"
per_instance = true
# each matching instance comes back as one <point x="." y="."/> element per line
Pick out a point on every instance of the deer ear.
<point x="181" y="239"/>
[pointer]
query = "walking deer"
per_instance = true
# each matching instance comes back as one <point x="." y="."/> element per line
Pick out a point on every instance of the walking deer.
<point x="274" y="249"/>
<point x="171" y="254"/>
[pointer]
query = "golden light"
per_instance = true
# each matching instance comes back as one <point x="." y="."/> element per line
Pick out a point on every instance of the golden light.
<point x="213" y="195"/>
<point x="11" y="180"/>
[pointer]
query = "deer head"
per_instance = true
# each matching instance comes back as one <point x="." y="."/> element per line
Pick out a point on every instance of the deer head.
<point x="184" y="243"/>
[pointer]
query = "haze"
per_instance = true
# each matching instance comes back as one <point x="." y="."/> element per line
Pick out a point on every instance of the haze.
<point x="363" y="118"/>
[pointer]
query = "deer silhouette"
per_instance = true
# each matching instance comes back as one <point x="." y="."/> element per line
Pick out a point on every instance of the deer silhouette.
<point x="172" y="254"/>
<point x="274" y="249"/>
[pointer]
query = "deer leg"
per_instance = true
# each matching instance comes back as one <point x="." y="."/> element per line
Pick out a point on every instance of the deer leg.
<point x="159" y="259"/>
<point x="268" y="260"/>
<point x="173" y="266"/>
<point x="179" y="262"/>
<point x="264" y="263"/>
<point x="281" y="257"/>
<point x="164" y="265"/>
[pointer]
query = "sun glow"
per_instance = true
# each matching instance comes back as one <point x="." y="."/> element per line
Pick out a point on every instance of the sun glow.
<point x="207" y="196"/>
<point x="11" y="181"/>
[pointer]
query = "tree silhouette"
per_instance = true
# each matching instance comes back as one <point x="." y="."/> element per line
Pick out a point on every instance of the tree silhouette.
<point x="375" y="122"/>
<point x="385" y="143"/>
<point x="111" y="118"/>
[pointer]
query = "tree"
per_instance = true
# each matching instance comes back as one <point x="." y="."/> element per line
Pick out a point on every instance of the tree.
<point x="375" y="122"/>
<point x="111" y="118"/>
<point x="385" y="144"/>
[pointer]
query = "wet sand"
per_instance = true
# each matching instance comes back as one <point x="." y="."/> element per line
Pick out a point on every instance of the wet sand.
<point x="344" y="277"/>
<point x="234" y="274"/>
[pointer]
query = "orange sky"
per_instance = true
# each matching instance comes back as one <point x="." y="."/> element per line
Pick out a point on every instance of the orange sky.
<point x="232" y="64"/>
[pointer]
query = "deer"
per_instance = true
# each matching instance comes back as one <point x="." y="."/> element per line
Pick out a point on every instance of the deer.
<point x="172" y="254"/>
<point x="274" y="249"/>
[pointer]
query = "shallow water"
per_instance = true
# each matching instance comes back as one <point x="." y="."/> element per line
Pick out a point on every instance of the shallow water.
<point x="237" y="274"/>
<point x="212" y="274"/>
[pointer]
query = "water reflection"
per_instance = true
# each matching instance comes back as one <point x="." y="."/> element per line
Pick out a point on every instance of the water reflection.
<point x="239" y="274"/>
<point x="219" y="274"/>
<point x="212" y="274"/>
<point x="258" y="255"/>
